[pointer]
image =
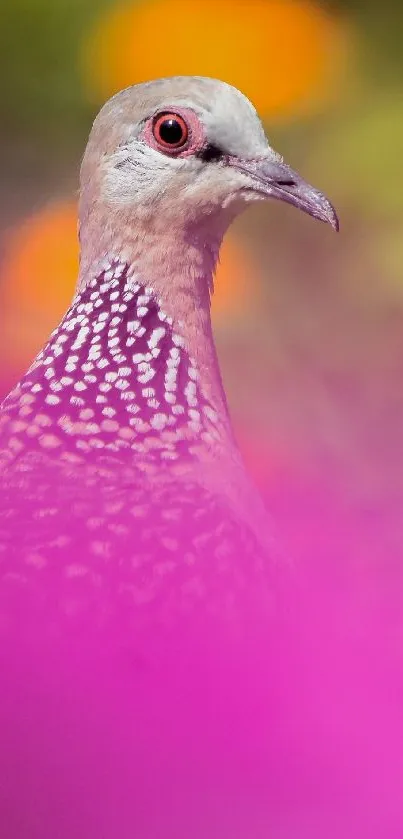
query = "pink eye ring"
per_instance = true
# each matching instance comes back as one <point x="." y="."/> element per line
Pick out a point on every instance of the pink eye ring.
<point x="170" y="131"/>
<point x="174" y="132"/>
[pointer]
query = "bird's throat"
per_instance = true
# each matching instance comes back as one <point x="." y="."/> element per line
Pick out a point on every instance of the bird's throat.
<point x="177" y="267"/>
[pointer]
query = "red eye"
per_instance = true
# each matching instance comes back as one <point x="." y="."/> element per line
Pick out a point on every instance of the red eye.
<point x="170" y="131"/>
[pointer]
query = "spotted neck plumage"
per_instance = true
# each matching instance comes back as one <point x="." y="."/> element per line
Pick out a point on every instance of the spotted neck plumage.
<point x="116" y="381"/>
<point x="117" y="374"/>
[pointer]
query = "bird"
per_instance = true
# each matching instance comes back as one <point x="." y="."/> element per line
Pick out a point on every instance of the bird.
<point x="143" y="693"/>
<point x="116" y="447"/>
<point x="137" y="560"/>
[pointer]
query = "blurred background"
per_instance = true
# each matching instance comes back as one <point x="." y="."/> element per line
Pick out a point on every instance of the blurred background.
<point x="309" y="325"/>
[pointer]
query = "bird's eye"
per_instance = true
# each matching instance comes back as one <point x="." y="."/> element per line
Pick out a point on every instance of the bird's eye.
<point x="170" y="131"/>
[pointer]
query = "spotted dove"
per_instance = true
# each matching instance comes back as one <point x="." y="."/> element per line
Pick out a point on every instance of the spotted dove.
<point x="121" y="481"/>
<point x="125" y="506"/>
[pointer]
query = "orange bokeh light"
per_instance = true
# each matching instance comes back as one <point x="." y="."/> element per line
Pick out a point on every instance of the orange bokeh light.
<point x="41" y="264"/>
<point x="37" y="280"/>
<point x="286" y="55"/>
<point x="39" y="274"/>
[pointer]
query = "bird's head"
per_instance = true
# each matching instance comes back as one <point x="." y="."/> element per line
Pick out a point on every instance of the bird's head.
<point x="186" y="149"/>
<point x="168" y="166"/>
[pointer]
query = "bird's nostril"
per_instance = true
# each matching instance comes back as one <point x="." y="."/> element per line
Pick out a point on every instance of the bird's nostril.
<point x="286" y="182"/>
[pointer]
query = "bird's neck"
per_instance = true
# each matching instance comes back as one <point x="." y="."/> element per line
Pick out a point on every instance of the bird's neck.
<point x="117" y="374"/>
<point x="123" y="372"/>
<point x="176" y="266"/>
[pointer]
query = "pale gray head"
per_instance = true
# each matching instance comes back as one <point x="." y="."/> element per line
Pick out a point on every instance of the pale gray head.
<point x="168" y="165"/>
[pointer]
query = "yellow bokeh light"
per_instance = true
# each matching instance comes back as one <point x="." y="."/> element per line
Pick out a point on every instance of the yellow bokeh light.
<point x="286" y="55"/>
<point x="39" y="274"/>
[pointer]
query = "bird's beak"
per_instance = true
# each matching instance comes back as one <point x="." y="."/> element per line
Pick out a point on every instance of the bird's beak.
<point x="275" y="179"/>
